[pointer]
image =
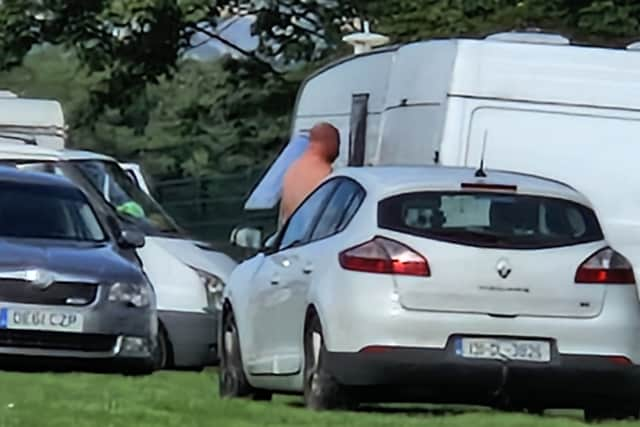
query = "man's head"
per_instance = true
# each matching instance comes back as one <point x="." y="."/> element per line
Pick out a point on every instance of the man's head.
<point x="325" y="139"/>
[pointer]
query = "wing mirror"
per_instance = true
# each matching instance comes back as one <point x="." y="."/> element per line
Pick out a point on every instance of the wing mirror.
<point x="247" y="238"/>
<point x="131" y="239"/>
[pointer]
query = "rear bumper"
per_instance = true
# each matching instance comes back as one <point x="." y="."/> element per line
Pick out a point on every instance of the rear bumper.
<point x="193" y="337"/>
<point x="379" y="319"/>
<point x="441" y="376"/>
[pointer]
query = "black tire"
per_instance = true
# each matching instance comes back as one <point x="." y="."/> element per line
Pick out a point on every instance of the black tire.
<point x="321" y="391"/>
<point x="232" y="381"/>
<point x="161" y="352"/>
<point x="597" y="415"/>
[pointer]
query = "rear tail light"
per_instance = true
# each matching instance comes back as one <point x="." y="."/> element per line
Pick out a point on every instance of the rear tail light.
<point x="606" y="266"/>
<point x="385" y="256"/>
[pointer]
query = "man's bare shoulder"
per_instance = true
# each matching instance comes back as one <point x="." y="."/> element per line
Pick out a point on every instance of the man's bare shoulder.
<point x="293" y="169"/>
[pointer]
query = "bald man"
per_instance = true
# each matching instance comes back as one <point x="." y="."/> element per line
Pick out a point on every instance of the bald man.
<point x="310" y="169"/>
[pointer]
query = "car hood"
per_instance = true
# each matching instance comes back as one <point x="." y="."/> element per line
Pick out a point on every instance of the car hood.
<point x="80" y="261"/>
<point x="198" y="255"/>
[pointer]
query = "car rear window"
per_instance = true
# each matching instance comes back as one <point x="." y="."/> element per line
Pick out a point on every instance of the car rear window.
<point x="496" y="220"/>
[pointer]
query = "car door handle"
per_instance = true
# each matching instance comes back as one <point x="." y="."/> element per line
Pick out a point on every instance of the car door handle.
<point x="275" y="280"/>
<point x="308" y="269"/>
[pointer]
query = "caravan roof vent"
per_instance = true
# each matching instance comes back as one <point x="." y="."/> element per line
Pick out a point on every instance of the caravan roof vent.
<point x="634" y="46"/>
<point x="365" y="41"/>
<point x="531" y="36"/>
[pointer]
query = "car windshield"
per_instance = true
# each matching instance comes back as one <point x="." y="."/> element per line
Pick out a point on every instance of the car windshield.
<point x="490" y="220"/>
<point x="128" y="199"/>
<point x="47" y="212"/>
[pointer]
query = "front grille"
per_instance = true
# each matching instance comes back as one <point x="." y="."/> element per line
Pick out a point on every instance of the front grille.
<point x="57" y="341"/>
<point x="22" y="292"/>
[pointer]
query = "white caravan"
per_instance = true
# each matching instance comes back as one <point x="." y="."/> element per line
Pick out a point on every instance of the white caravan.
<point x="34" y="121"/>
<point x="188" y="276"/>
<point x="532" y="102"/>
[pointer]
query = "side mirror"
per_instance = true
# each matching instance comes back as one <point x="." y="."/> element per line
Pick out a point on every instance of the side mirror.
<point x="247" y="238"/>
<point x="131" y="239"/>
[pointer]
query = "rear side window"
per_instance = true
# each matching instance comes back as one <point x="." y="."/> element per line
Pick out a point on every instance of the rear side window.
<point x="494" y="220"/>
<point x="339" y="210"/>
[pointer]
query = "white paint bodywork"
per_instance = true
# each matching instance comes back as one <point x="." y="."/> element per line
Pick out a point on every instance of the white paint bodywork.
<point x="270" y="294"/>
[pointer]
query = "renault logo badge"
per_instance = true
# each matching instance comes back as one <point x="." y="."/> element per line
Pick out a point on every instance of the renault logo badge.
<point x="503" y="268"/>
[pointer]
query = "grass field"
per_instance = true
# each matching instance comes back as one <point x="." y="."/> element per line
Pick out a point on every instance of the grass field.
<point x="187" y="399"/>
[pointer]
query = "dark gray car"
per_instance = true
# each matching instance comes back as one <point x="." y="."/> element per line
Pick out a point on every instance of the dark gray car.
<point x="67" y="290"/>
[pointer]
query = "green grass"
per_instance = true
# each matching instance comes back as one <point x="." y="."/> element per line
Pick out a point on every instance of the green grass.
<point x="187" y="399"/>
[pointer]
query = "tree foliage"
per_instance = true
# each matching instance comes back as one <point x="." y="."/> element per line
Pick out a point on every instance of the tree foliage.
<point x="607" y="22"/>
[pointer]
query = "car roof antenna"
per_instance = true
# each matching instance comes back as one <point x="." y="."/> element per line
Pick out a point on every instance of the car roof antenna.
<point x="480" y="173"/>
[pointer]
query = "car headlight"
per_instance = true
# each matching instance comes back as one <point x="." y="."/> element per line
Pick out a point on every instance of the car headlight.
<point x="135" y="294"/>
<point x="213" y="287"/>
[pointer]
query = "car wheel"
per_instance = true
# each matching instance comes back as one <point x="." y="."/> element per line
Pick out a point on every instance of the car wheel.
<point x="232" y="381"/>
<point x="321" y="391"/>
<point x="595" y="415"/>
<point x="161" y="351"/>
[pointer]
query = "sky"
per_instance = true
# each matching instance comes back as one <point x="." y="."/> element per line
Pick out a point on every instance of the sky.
<point x="237" y="30"/>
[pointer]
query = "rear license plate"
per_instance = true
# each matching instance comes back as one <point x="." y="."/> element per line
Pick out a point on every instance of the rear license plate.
<point x="40" y="320"/>
<point x="504" y="349"/>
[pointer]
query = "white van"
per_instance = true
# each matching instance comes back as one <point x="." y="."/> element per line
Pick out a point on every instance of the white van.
<point x="187" y="275"/>
<point x="532" y="102"/>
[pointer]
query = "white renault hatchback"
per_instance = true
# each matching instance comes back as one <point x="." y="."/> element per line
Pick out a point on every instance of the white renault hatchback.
<point x="436" y="284"/>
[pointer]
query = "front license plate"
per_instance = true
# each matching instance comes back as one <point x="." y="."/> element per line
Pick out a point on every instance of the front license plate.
<point x="504" y="349"/>
<point x="40" y="320"/>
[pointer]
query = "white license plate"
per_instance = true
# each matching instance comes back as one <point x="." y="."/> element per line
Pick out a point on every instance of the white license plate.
<point x="40" y="320"/>
<point x="504" y="349"/>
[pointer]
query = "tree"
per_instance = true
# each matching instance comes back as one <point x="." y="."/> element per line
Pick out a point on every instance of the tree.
<point x="127" y="43"/>
<point x="608" y="22"/>
<point x="215" y="117"/>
